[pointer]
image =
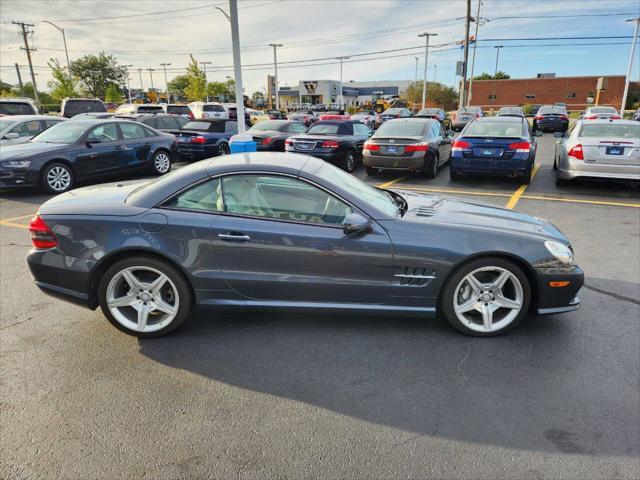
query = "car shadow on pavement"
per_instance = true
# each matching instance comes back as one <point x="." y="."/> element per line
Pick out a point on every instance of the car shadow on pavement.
<point x="520" y="390"/>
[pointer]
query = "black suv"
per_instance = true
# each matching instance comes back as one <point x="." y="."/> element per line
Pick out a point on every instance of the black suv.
<point x="73" y="106"/>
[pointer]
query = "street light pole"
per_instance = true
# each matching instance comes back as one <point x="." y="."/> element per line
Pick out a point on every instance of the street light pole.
<point x="275" y="68"/>
<point x="166" y="82"/>
<point x="64" y="38"/>
<point x="341" y="94"/>
<point x="473" y="58"/>
<point x="416" y="76"/>
<point x="493" y="86"/>
<point x="151" y="70"/>
<point x="426" y="61"/>
<point x="464" y="96"/>
<point x="141" y="85"/>
<point x="633" y="49"/>
<point x="435" y="73"/>
<point x="128" y="83"/>
<point x="204" y="64"/>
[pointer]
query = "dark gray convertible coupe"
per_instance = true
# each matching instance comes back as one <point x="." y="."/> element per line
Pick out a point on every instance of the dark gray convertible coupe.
<point x="291" y="231"/>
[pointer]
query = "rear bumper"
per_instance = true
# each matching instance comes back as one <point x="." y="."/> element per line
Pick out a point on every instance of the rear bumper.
<point x="551" y="126"/>
<point x="552" y="300"/>
<point x="196" y="154"/>
<point x="487" y="166"/>
<point x="394" y="162"/>
<point x="570" y="169"/>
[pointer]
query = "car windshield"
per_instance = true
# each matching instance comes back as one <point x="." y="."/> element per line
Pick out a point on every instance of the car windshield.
<point x="16" y="108"/>
<point x="401" y="129"/>
<point x="63" y="132"/>
<point x="429" y="111"/>
<point x="266" y="125"/>
<point x="178" y="109"/>
<point x="73" y="107"/>
<point x="150" y="109"/>
<point x="375" y="197"/>
<point x="493" y="129"/>
<point x="603" y="110"/>
<point x="393" y="111"/>
<point x="324" y="129"/>
<point x="610" y="130"/>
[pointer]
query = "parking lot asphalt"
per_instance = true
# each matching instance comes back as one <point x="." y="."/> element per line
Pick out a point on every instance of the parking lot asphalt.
<point x="239" y="394"/>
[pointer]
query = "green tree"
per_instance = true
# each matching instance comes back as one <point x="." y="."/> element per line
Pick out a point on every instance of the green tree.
<point x="500" y="75"/>
<point x="63" y="84"/>
<point x="437" y="94"/>
<point x="96" y="72"/>
<point x="178" y="85"/>
<point x="215" y="89"/>
<point x="196" y="88"/>
<point x="112" y="94"/>
<point x="5" y="87"/>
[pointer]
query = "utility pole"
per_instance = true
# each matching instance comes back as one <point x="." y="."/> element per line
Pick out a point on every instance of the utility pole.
<point x="151" y="70"/>
<point x="24" y="31"/>
<point x="228" y="78"/>
<point x="466" y="55"/>
<point x="341" y="94"/>
<point x="416" y="77"/>
<point x="426" y="61"/>
<point x="435" y="73"/>
<point x="275" y="67"/>
<point x="141" y="85"/>
<point x="493" y="85"/>
<point x="473" y="59"/>
<point x="633" y="49"/>
<point x="128" y="83"/>
<point x="204" y="64"/>
<point x="166" y="83"/>
<point x="64" y="39"/>
<point x="19" y="79"/>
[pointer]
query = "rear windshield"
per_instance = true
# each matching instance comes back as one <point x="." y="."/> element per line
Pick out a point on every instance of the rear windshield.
<point x="401" y="129"/>
<point x="267" y="125"/>
<point x="178" y="109"/>
<point x="610" y="130"/>
<point x="429" y="111"/>
<point x="510" y="110"/>
<point x="204" y="126"/>
<point x="555" y="109"/>
<point x="324" y="129"/>
<point x="393" y="111"/>
<point x="213" y="108"/>
<point x="150" y="109"/>
<point x="74" y="107"/>
<point x="493" y="129"/>
<point x="603" y="110"/>
<point x="16" y="108"/>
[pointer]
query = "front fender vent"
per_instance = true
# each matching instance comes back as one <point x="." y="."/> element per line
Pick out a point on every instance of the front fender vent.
<point x="414" y="277"/>
<point x="424" y="212"/>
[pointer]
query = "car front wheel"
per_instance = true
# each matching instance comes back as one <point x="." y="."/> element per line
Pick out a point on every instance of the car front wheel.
<point x="486" y="297"/>
<point x="161" y="163"/>
<point x="349" y="162"/>
<point x="224" y="149"/>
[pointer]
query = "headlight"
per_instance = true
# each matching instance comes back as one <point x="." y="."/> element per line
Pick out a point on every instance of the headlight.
<point x="17" y="163"/>
<point x="560" y="251"/>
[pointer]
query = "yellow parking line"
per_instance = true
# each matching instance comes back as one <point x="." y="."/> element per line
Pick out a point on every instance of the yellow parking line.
<point x="2" y="220"/>
<point x="513" y="201"/>
<point x="388" y="184"/>
<point x="461" y="192"/>
<point x="577" y="200"/>
<point x="6" y="223"/>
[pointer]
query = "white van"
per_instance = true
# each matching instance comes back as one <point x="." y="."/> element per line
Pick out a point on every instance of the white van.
<point x="208" y="110"/>
<point x="128" y="108"/>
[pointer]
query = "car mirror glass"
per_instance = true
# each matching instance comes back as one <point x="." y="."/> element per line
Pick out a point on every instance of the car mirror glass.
<point x="356" y="223"/>
<point x="11" y="136"/>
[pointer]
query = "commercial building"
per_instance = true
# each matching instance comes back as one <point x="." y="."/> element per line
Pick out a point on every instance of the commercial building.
<point x="328" y="92"/>
<point x="576" y="92"/>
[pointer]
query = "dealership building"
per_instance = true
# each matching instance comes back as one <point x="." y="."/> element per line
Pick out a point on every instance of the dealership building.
<point x="328" y="91"/>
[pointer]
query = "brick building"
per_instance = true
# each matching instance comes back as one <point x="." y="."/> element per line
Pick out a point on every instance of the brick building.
<point x="574" y="91"/>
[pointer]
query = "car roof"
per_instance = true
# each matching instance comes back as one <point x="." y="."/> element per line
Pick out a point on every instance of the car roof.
<point x="412" y="120"/>
<point x="501" y="118"/>
<point x="609" y="120"/>
<point x="18" y="118"/>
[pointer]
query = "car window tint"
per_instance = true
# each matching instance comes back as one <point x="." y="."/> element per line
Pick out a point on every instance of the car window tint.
<point x="213" y="108"/>
<point x="610" y="130"/>
<point x="493" y="129"/>
<point x="16" y="108"/>
<point x="51" y="123"/>
<point x="74" y="107"/>
<point x="151" y="121"/>
<point x="297" y="128"/>
<point x="401" y="127"/>
<point x="149" y="109"/>
<point x="103" y="133"/>
<point x="132" y="130"/>
<point x="361" y="129"/>
<point x="28" y="129"/>
<point x="282" y="198"/>
<point x="207" y="197"/>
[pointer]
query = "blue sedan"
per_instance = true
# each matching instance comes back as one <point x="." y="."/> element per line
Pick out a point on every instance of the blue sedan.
<point x="205" y="138"/>
<point x="502" y="146"/>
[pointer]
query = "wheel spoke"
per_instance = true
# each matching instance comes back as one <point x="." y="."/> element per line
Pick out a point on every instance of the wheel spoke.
<point x="467" y="306"/>
<point x="499" y="282"/>
<point x="487" y="316"/>
<point x="474" y="283"/>
<point x="126" y="301"/>
<point x="131" y="279"/>
<point x="143" y="315"/>
<point x="157" y="284"/>
<point x="504" y="302"/>
<point x="163" y="306"/>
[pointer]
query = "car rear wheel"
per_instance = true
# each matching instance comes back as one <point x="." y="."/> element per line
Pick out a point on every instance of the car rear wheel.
<point x="349" y="162"/>
<point x="455" y="176"/>
<point x="161" y="163"/>
<point x="57" y="178"/>
<point x="144" y="296"/>
<point x="224" y="149"/>
<point x="526" y="178"/>
<point x="371" y="171"/>
<point x="430" y="168"/>
<point x="486" y="297"/>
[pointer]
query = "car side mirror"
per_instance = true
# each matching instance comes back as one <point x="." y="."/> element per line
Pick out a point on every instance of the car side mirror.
<point x="11" y="136"/>
<point x="356" y="223"/>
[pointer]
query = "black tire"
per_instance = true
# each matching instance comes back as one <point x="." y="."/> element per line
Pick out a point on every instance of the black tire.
<point x="224" y="149"/>
<point x="177" y="278"/>
<point x="57" y="177"/>
<point x="454" y="175"/>
<point x="161" y="163"/>
<point x="349" y="161"/>
<point x="430" y="169"/>
<point x="446" y="301"/>
<point x="561" y="182"/>
<point x="526" y="178"/>
<point x="371" y="171"/>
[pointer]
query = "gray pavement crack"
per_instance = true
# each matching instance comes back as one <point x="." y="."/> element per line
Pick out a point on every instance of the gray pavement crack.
<point x="613" y="294"/>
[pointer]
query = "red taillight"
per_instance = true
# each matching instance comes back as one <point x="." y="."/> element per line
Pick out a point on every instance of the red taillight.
<point x="372" y="147"/>
<point x="590" y="117"/>
<point x="287" y="142"/>
<point x="539" y="117"/>
<point x="563" y="117"/>
<point x="615" y="117"/>
<point x="330" y="144"/>
<point x="41" y="234"/>
<point x="576" y="152"/>
<point x="520" y="146"/>
<point x="267" y="141"/>
<point x="461" y="145"/>
<point x="191" y="116"/>
<point x="198" y="139"/>
<point x="417" y="147"/>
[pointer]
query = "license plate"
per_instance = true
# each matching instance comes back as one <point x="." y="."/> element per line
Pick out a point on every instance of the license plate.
<point x="392" y="149"/>
<point x="488" y="151"/>
<point x="615" y="150"/>
<point x="304" y="146"/>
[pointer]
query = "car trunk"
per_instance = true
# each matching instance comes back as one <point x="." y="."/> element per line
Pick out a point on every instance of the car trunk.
<point x="492" y="147"/>
<point x="611" y="151"/>
<point x="393" y="146"/>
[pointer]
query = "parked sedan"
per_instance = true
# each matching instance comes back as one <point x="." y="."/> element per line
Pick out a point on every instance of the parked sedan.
<point x="205" y="138"/>
<point x="162" y="122"/>
<point x="308" y="118"/>
<point x="551" y="118"/>
<point x="414" y="144"/>
<point x="435" y="113"/>
<point x="339" y="115"/>
<point x="462" y="117"/>
<point x="511" y="112"/>
<point x="368" y="117"/>
<point x="75" y="151"/>
<point x="270" y="135"/>
<point x="394" y="112"/>
<point x="501" y="146"/>
<point x="603" y="149"/>
<point x="280" y="231"/>
<point x="15" y="129"/>
<point x="593" y="113"/>
<point x="337" y="142"/>
<point x="276" y="115"/>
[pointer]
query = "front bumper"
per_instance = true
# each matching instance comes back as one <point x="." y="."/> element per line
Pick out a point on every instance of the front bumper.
<point x="552" y="300"/>
<point x="18" y="178"/>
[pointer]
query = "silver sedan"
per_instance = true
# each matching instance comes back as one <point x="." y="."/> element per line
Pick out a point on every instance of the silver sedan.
<point x="608" y="149"/>
<point x="16" y="129"/>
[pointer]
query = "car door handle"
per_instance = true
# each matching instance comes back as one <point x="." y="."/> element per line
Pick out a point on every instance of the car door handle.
<point x="234" y="237"/>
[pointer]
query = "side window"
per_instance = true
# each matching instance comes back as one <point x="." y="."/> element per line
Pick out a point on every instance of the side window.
<point x="361" y="129"/>
<point x="204" y="197"/>
<point x="297" y="128"/>
<point x="231" y="127"/>
<point x="282" y="198"/>
<point x="132" y="131"/>
<point x="151" y="122"/>
<point x="103" y="133"/>
<point x="51" y="123"/>
<point x="28" y="129"/>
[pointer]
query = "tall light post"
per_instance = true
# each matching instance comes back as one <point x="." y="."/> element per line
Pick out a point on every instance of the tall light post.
<point x="166" y="82"/>
<point x="493" y="85"/>
<point x="416" y="76"/>
<point x="463" y="91"/>
<point x="341" y="95"/>
<point x="141" y="85"/>
<point x="64" y="39"/>
<point x="435" y="72"/>
<point x="128" y="83"/>
<point x="275" y="68"/>
<point x="204" y="64"/>
<point x="151" y="70"/>
<point x="473" y="58"/>
<point x="633" y="49"/>
<point x="426" y="61"/>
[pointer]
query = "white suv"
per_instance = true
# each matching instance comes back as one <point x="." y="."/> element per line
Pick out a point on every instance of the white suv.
<point x="18" y="106"/>
<point x="208" y="110"/>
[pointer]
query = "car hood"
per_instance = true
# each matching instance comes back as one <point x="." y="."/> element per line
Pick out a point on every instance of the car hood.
<point x="24" y="150"/>
<point x="426" y="208"/>
<point x="104" y="199"/>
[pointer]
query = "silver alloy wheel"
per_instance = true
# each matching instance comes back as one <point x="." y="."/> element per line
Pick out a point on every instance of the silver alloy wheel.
<point x="162" y="162"/>
<point x="350" y="162"/>
<point x="59" y="178"/>
<point x="488" y="299"/>
<point x="142" y="299"/>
